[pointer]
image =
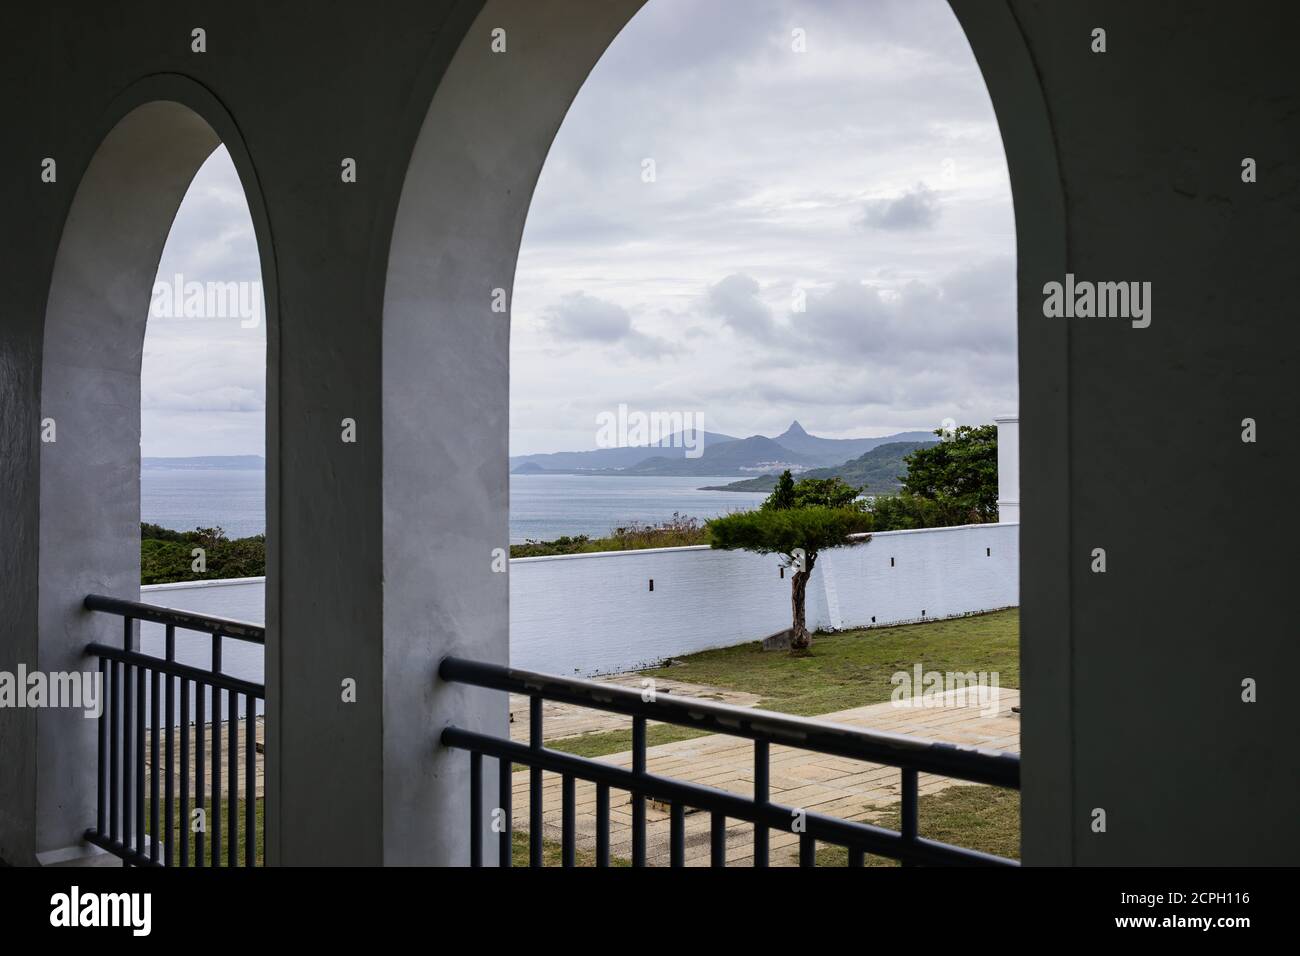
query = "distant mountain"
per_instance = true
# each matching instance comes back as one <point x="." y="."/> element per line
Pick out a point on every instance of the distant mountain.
<point x="794" y="448"/>
<point x="746" y="455"/>
<point x="604" y="459"/>
<point x="879" y="470"/>
<point x="832" y="451"/>
<point x="207" y="463"/>
<point x="528" y="468"/>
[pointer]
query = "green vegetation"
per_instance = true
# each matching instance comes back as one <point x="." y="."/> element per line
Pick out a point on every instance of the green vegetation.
<point x="797" y="521"/>
<point x="877" y="471"/>
<point x="553" y="853"/>
<point x="677" y="532"/>
<point x="971" y="816"/>
<point x="843" y="670"/>
<point x="952" y="483"/>
<point x="167" y="556"/>
<point x="178" y="824"/>
<point x="853" y="668"/>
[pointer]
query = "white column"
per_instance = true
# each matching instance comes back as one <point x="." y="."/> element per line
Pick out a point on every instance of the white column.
<point x="1008" y="469"/>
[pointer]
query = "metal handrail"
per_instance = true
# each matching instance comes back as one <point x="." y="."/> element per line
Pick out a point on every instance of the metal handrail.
<point x="136" y="685"/>
<point x="912" y="756"/>
<point x="186" y="620"/>
<point x="995" y="767"/>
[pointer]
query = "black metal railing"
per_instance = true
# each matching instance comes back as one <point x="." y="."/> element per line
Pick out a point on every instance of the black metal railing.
<point x="148" y="823"/>
<point x="911" y="755"/>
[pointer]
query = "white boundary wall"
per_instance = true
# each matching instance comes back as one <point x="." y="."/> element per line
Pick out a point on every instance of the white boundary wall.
<point x="704" y="598"/>
<point x="595" y="613"/>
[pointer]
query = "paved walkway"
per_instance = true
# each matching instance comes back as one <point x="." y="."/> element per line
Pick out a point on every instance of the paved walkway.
<point x="568" y="720"/>
<point x="259" y="760"/>
<point x="850" y="789"/>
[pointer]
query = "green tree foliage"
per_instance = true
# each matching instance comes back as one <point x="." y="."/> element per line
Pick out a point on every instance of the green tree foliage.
<point x="797" y="521"/>
<point x="958" y="476"/>
<point x="821" y="492"/>
<point x="167" y="556"/>
<point x="904" y="512"/>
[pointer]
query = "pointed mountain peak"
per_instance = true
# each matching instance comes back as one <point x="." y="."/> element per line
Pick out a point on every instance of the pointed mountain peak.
<point x="794" y="429"/>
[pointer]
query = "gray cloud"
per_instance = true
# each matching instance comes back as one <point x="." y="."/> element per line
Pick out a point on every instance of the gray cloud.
<point x="736" y="301"/>
<point x="917" y="208"/>
<point x="579" y="317"/>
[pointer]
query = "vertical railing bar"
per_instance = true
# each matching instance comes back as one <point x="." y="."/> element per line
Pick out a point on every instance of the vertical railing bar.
<point x="567" y="821"/>
<point x="101" y="789"/>
<point x="505" y="797"/>
<point x="910" y="816"/>
<point x="200" y="717"/>
<point x="140" y="674"/>
<point x="250" y="780"/>
<point x="762" y="793"/>
<point x="856" y="857"/>
<point x="183" y="771"/>
<point x="155" y="729"/>
<point x="115" y="732"/>
<point x="602" y="824"/>
<point x="638" y="797"/>
<point x="535" y="783"/>
<point x="232" y="772"/>
<point x="128" y="742"/>
<point x="214" y="818"/>
<point x="717" y="839"/>
<point x="677" y="836"/>
<point x="807" y="850"/>
<point x="475" y="809"/>
<point x="169" y="786"/>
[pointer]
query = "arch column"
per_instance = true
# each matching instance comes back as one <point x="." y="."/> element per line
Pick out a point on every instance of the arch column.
<point x="89" y="530"/>
<point x="446" y="391"/>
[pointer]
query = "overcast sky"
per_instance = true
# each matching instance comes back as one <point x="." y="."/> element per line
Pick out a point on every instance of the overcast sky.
<point x="865" y="175"/>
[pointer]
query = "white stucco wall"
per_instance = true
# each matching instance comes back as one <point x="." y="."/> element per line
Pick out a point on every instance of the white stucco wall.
<point x="595" y="613"/>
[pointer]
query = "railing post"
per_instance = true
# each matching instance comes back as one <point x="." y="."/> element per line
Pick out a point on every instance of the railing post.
<point x="535" y="784"/>
<point x="169" y="814"/>
<point x="909" y="824"/>
<point x="476" y="809"/>
<point x="505" y="787"/>
<point x="602" y="825"/>
<point x="762" y="787"/>
<point x="214" y="818"/>
<point x="638" y="798"/>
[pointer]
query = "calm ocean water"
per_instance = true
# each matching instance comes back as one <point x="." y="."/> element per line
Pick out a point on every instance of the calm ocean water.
<point x="542" y="507"/>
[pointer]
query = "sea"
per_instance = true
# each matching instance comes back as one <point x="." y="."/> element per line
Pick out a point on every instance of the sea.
<point x="542" y="507"/>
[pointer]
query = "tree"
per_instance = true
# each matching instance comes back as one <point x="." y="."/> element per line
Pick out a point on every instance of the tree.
<point x="958" y="477"/>
<point x="797" y="521"/>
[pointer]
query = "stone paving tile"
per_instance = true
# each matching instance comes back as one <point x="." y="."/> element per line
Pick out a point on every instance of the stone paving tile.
<point x="566" y="720"/>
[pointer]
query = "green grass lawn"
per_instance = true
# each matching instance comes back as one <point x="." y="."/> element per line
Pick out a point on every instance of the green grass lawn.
<point x="843" y="670"/>
<point x="852" y="669"/>
<point x="552" y="853"/>
<point x="975" y="817"/>
<point x="178" y="824"/>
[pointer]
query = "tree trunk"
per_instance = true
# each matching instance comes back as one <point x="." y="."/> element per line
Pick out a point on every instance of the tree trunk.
<point x="800" y="639"/>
